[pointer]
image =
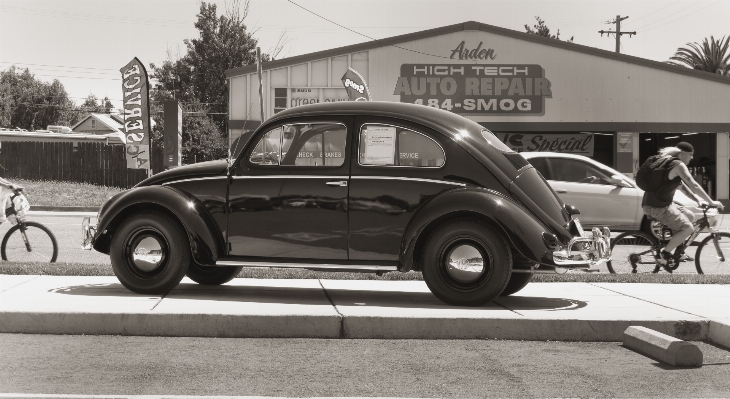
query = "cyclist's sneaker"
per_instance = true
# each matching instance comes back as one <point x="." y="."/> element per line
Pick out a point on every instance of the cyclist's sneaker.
<point x="683" y="257"/>
<point x="666" y="261"/>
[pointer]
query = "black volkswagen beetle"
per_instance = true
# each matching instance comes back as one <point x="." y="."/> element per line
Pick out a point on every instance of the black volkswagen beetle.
<point x="352" y="186"/>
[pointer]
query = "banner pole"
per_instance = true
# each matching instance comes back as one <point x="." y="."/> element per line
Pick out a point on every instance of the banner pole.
<point x="261" y="83"/>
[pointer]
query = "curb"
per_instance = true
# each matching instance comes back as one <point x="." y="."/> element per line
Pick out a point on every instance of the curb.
<point x="662" y="347"/>
<point x="64" y="208"/>
<point x="332" y="327"/>
<point x="719" y="333"/>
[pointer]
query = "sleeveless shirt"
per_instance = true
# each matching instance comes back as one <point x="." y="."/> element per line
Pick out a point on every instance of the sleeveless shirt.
<point x="664" y="196"/>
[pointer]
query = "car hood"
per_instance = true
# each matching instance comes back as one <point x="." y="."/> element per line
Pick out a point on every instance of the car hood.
<point x="201" y="169"/>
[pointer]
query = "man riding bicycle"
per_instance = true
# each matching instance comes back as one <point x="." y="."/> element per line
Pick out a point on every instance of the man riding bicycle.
<point x="659" y="205"/>
<point x="6" y="190"/>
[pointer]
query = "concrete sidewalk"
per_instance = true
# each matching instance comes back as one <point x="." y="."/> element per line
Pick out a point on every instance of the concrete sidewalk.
<point x="356" y="309"/>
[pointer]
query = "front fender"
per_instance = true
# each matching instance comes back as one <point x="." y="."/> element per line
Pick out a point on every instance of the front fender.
<point x="206" y="241"/>
<point x="520" y="228"/>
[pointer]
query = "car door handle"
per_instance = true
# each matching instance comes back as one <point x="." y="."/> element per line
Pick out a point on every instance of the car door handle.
<point x="339" y="183"/>
<point x="561" y="190"/>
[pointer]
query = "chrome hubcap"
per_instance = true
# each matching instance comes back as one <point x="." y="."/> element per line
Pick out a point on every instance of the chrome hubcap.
<point x="147" y="254"/>
<point x="464" y="263"/>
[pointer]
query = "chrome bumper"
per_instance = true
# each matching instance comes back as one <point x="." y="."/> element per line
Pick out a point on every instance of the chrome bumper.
<point x="87" y="234"/>
<point x="588" y="250"/>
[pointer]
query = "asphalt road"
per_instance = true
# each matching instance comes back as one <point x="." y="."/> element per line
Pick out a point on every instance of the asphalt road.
<point x="114" y="365"/>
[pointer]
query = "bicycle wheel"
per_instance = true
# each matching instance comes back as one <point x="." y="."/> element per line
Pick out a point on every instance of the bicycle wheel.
<point x="712" y="258"/>
<point x="632" y="252"/>
<point x="42" y="246"/>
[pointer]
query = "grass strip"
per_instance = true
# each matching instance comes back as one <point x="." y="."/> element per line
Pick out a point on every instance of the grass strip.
<point x="76" y="269"/>
<point x="60" y="193"/>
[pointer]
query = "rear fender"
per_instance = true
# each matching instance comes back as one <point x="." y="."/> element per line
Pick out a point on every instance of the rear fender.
<point x="206" y="241"/>
<point x="522" y="230"/>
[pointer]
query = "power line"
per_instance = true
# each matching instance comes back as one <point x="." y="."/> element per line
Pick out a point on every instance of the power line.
<point x="97" y="17"/>
<point x="361" y="34"/>
<point x="58" y="66"/>
<point x="659" y="20"/>
<point x="640" y="18"/>
<point x="685" y="16"/>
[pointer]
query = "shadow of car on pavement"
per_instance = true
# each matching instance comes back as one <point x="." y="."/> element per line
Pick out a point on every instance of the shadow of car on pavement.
<point x="318" y="296"/>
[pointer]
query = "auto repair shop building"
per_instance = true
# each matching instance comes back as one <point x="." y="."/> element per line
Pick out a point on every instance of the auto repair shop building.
<point x="535" y="93"/>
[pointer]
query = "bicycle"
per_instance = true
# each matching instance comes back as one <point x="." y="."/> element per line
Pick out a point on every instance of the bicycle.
<point x="637" y="251"/>
<point x="26" y="241"/>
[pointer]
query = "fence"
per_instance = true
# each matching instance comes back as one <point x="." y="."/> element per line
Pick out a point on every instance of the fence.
<point x="94" y="163"/>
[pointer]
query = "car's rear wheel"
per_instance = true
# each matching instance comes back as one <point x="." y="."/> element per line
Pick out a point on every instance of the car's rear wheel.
<point x="150" y="253"/>
<point x="517" y="282"/>
<point x="212" y="275"/>
<point x="466" y="263"/>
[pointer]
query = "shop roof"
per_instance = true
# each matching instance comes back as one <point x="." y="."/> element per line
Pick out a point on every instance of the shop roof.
<point x="472" y="26"/>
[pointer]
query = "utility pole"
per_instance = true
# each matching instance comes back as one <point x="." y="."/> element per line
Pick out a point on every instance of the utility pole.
<point x="618" y="32"/>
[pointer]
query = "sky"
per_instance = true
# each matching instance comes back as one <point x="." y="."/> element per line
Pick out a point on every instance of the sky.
<point x="84" y="43"/>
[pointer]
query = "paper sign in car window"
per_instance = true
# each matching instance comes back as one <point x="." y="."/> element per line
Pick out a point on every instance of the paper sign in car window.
<point x="380" y="145"/>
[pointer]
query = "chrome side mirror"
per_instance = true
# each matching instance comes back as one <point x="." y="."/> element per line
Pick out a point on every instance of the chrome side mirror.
<point x="572" y="210"/>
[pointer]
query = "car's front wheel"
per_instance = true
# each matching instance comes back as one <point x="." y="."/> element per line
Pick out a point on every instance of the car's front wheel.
<point x="517" y="282"/>
<point x="466" y="263"/>
<point x="212" y="275"/>
<point x="150" y="253"/>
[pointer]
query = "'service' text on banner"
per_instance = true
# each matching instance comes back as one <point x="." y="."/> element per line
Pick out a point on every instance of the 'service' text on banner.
<point x="135" y="89"/>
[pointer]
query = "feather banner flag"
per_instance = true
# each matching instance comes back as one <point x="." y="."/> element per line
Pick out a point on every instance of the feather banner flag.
<point x="357" y="89"/>
<point x="135" y="89"/>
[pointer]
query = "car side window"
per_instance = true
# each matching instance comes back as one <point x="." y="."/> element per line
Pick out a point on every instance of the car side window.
<point x="571" y="170"/>
<point x="326" y="147"/>
<point x="386" y="145"/>
<point x="268" y="149"/>
<point x="541" y="165"/>
<point x="321" y="144"/>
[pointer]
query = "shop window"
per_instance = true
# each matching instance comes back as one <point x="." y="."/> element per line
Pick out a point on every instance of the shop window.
<point x="385" y="145"/>
<point x="279" y="99"/>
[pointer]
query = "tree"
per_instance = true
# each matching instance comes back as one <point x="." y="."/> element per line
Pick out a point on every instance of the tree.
<point x="90" y="105"/>
<point x="712" y="56"/>
<point x="542" y="30"/>
<point x="31" y="104"/>
<point x="197" y="80"/>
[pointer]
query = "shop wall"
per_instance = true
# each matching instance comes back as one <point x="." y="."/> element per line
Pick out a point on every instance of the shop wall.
<point x="584" y="87"/>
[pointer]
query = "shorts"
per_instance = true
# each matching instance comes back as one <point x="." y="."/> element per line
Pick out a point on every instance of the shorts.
<point x="673" y="216"/>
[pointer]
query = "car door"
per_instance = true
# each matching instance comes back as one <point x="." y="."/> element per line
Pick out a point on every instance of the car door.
<point x="589" y="188"/>
<point x="396" y="168"/>
<point x="288" y="192"/>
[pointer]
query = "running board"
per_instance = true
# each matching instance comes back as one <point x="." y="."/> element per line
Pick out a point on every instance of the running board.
<point x="310" y="266"/>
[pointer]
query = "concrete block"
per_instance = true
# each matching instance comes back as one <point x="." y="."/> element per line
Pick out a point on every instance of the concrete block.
<point x="719" y="333"/>
<point x="662" y="347"/>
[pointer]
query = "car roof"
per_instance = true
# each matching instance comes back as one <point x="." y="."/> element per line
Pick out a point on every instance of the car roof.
<point x="544" y="154"/>
<point x="433" y="117"/>
<point x="537" y="154"/>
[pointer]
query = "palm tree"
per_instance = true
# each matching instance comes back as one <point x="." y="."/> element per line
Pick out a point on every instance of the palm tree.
<point x="712" y="56"/>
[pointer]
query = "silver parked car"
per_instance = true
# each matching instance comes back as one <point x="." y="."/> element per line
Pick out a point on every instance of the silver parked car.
<point x="604" y="196"/>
